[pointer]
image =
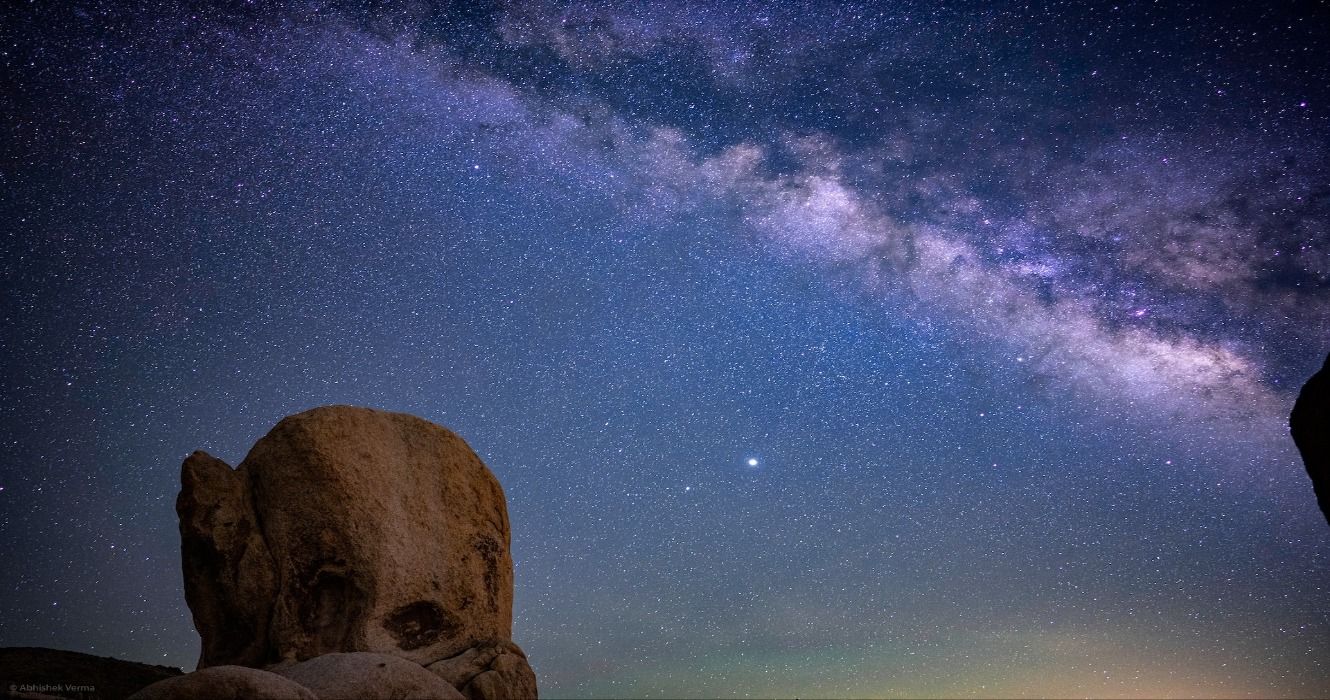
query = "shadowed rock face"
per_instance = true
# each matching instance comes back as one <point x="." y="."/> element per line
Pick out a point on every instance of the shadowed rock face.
<point x="228" y="569"/>
<point x="345" y="529"/>
<point x="1310" y="424"/>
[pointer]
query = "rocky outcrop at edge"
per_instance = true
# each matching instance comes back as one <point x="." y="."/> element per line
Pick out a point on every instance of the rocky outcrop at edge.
<point x="1309" y="423"/>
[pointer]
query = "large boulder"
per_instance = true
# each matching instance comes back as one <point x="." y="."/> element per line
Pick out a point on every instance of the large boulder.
<point x="226" y="683"/>
<point x="1310" y="424"/>
<point x="361" y="674"/>
<point x="345" y="529"/>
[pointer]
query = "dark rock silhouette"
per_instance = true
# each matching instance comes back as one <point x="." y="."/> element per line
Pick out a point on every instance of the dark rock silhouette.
<point x="36" y="671"/>
<point x="1310" y="424"/>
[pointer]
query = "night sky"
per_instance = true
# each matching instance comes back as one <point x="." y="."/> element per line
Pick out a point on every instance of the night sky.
<point x="829" y="350"/>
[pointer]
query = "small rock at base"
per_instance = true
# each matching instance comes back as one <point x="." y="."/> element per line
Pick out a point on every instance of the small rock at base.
<point x="357" y="675"/>
<point x="460" y="669"/>
<point x="496" y="670"/>
<point x="509" y="678"/>
<point x="226" y="683"/>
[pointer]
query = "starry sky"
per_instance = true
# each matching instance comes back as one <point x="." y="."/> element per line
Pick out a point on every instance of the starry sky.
<point x="823" y="349"/>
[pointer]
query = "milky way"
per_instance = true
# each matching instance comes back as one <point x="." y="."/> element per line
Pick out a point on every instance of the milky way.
<point x="822" y="350"/>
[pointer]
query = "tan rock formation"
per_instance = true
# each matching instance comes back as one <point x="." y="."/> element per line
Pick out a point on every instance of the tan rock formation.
<point x="351" y="530"/>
